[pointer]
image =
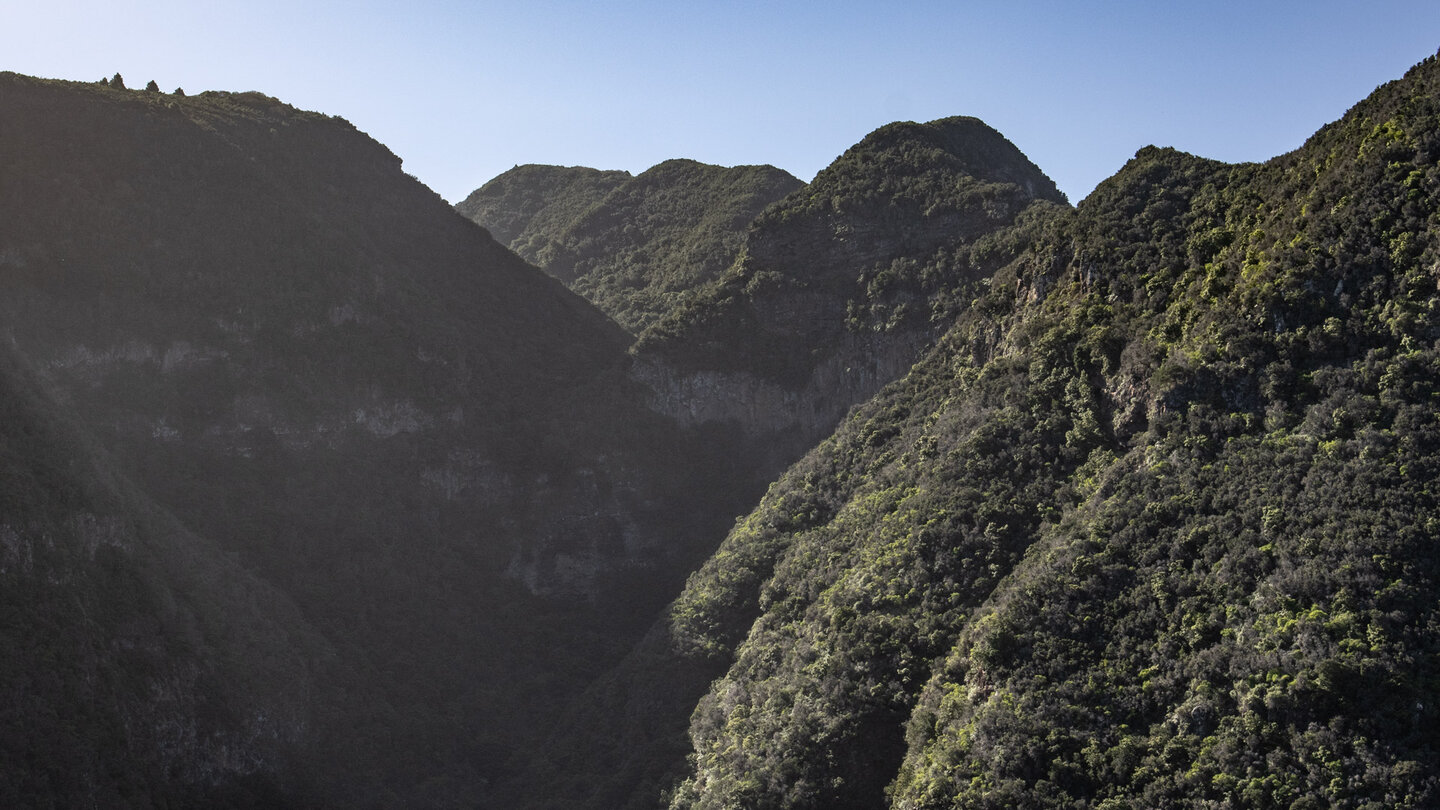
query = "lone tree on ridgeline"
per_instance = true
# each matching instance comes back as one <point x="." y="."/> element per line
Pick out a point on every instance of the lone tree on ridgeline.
<point x="117" y="81"/>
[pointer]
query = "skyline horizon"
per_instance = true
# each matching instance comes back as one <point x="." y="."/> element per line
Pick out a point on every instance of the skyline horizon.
<point x="463" y="94"/>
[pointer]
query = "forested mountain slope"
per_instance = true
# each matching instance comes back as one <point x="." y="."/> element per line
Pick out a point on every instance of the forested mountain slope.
<point x="431" y="448"/>
<point x="634" y="246"/>
<point x="842" y="285"/>
<point x="306" y="472"/>
<point x="528" y="207"/>
<point x="1154" y="525"/>
<point x="141" y="666"/>
<point x="899" y="233"/>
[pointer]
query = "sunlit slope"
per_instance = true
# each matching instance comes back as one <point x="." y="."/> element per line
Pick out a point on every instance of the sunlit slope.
<point x="1154" y="525"/>
<point x="635" y="246"/>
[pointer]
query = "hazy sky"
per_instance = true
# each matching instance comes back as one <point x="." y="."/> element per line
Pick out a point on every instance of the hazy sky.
<point x="464" y="90"/>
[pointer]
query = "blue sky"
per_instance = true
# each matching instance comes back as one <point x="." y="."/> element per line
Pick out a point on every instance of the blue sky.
<point x="464" y="90"/>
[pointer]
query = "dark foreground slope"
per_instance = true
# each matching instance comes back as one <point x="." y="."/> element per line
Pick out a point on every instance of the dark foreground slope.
<point x="312" y="361"/>
<point x="1155" y="525"/>
<point x="141" y="666"/>
<point x="634" y="246"/>
<point x="840" y="287"/>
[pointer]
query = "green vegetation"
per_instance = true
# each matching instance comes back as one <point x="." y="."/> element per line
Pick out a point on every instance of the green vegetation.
<point x="316" y="495"/>
<point x="1152" y="526"/>
<point x="528" y="207"/>
<point x="877" y="250"/>
<point x="142" y="667"/>
<point x="633" y="246"/>
<point x="426" y="447"/>
<point x="913" y="278"/>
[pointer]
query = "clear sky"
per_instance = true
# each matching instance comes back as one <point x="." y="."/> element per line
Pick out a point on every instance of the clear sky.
<point x="464" y="90"/>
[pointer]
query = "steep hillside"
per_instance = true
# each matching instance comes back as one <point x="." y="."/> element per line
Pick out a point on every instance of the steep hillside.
<point x="142" y="667"/>
<point x="839" y="288"/>
<point x="317" y="495"/>
<point x="634" y="246"/>
<point x="527" y="207"/>
<point x="313" y="361"/>
<point x="1154" y="525"/>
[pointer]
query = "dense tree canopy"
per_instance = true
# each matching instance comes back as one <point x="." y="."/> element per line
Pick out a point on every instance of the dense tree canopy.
<point x="314" y="494"/>
<point x="1154" y="525"/>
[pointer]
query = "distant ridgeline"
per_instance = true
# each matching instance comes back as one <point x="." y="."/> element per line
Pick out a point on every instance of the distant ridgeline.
<point x="318" y="496"/>
<point x="841" y="286"/>
<point x="636" y="245"/>
<point x="777" y="321"/>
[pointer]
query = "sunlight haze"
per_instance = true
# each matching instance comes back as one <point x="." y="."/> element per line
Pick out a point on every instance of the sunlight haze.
<point x="464" y="91"/>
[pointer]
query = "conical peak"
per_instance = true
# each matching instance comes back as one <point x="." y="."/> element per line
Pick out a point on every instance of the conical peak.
<point x="962" y="143"/>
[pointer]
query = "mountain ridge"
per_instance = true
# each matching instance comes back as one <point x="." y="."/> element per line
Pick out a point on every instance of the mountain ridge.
<point x="313" y="362"/>
<point x="843" y="284"/>
<point x="633" y="245"/>
<point x="1106" y="499"/>
<point x="1125" y="504"/>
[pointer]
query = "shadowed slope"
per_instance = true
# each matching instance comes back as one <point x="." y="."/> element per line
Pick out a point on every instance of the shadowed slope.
<point x="142" y="666"/>
<point x="310" y="358"/>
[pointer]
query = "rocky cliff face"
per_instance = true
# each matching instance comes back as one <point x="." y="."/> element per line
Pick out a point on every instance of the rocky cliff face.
<point x="858" y="367"/>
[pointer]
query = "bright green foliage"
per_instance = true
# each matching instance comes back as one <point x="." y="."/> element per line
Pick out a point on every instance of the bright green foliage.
<point x="1234" y="622"/>
<point x="1154" y="525"/>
